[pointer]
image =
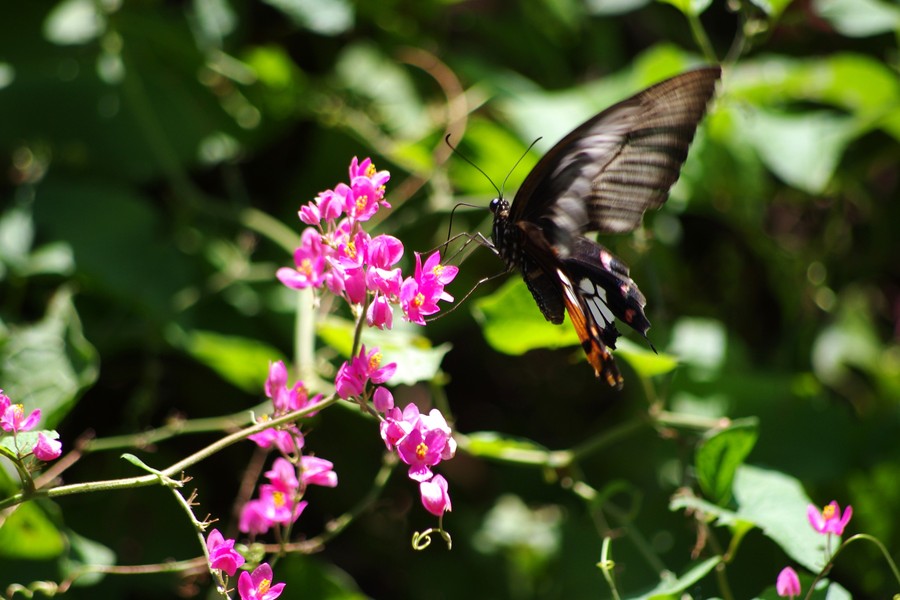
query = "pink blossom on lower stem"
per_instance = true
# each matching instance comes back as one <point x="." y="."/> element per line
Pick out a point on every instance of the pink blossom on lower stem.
<point x="222" y="554"/>
<point x="14" y="420"/>
<point x="788" y="583"/>
<point x="258" y="584"/>
<point x="278" y="505"/>
<point x="829" y="519"/>
<point x="385" y="251"/>
<point x="434" y="494"/>
<point x="46" y="449"/>
<point x="317" y="471"/>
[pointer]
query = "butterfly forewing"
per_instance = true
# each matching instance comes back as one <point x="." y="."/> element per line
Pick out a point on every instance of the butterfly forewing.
<point x="620" y="163"/>
<point x="601" y="177"/>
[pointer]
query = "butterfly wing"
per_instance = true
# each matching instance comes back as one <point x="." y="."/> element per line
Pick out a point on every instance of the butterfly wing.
<point x="606" y="173"/>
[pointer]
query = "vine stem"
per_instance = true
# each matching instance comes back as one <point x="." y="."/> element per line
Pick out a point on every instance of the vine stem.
<point x="174" y="469"/>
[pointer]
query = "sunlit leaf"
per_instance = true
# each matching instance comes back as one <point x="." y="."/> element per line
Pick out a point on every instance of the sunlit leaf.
<point x="720" y="455"/>
<point x="26" y="532"/>
<point x="643" y="360"/>
<point x="689" y="7"/>
<point x="74" y="22"/>
<point x="417" y="360"/>
<point x="513" y="324"/>
<point x="773" y="8"/>
<point x="700" y="343"/>
<point x="860" y="18"/>
<point x="328" y="18"/>
<point x="776" y="503"/>
<point x="802" y="149"/>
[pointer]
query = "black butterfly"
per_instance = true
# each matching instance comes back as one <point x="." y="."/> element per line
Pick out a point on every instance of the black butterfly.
<point x="601" y="177"/>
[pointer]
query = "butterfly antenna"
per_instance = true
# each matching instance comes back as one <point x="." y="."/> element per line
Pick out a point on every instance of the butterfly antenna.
<point x="511" y="171"/>
<point x="457" y="152"/>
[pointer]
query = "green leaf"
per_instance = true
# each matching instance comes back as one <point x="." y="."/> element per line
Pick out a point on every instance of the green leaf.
<point x="643" y="360"/>
<point x="48" y="364"/>
<point x="719" y="456"/>
<point x="242" y="361"/>
<point x="27" y="533"/>
<point x="672" y="587"/>
<point x="859" y="18"/>
<point x="513" y="324"/>
<point x="689" y="7"/>
<point x="772" y="8"/>
<point x="776" y="503"/>
<point x="417" y="360"/>
<point x="327" y="18"/>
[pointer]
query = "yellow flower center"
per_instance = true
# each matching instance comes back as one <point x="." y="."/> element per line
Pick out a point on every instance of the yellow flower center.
<point x="264" y="586"/>
<point x="375" y="361"/>
<point x="419" y="300"/>
<point x="351" y="249"/>
<point x="278" y="499"/>
<point x="361" y="201"/>
<point x="370" y="171"/>
<point x="421" y="450"/>
<point x="438" y="270"/>
<point x="828" y="512"/>
<point x="306" y="267"/>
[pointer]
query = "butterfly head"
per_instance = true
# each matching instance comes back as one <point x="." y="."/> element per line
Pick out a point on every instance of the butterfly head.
<point x="500" y="208"/>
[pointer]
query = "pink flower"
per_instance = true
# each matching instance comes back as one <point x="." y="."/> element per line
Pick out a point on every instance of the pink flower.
<point x="331" y="202"/>
<point x="288" y="440"/>
<point x="420" y="294"/>
<point x="46" y="449"/>
<point x="788" y="584"/>
<point x="283" y="476"/>
<point x="353" y="375"/>
<point x="421" y="451"/>
<point x="349" y="380"/>
<point x="443" y="274"/>
<point x="380" y="314"/>
<point x="317" y="471"/>
<point x="279" y="506"/>
<point x="435" y="497"/>
<point x="830" y="519"/>
<point x="4" y="402"/>
<point x="14" y="420"/>
<point x="383" y="399"/>
<point x="285" y="399"/>
<point x="222" y="554"/>
<point x="309" y="259"/>
<point x="310" y="214"/>
<point x="258" y="585"/>
<point x="385" y="251"/>
<point x="253" y="519"/>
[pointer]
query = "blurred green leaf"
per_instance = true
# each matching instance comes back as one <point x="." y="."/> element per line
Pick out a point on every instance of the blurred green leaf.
<point x="643" y="360"/>
<point x="242" y="361"/>
<point x="803" y="149"/>
<point x="700" y="343"/>
<point x="74" y="22"/>
<point x="776" y="503"/>
<point x="48" y="364"/>
<point x="689" y="7"/>
<point x="416" y="358"/>
<point x="849" y="341"/>
<point x="513" y="324"/>
<point x="772" y="8"/>
<point x="327" y="18"/>
<point x="719" y="456"/>
<point x="860" y="18"/>
<point x="27" y="533"/>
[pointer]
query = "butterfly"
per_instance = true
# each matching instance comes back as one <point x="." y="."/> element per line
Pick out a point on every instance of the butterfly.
<point x="601" y="177"/>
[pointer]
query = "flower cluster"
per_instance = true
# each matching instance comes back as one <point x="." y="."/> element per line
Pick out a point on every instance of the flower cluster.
<point x="280" y="501"/>
<point x="421" y="441"/>
<point x="255" y="585"/>
<point x="13" y="420"/>
<point x="337" y="253"/>
<point x="827" y="521"/>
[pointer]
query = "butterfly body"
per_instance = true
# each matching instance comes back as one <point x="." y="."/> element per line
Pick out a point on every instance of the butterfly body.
<point x="601" y="177"/>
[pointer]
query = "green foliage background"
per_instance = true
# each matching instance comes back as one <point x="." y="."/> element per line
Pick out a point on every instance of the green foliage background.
<point x="155" y="155"/>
